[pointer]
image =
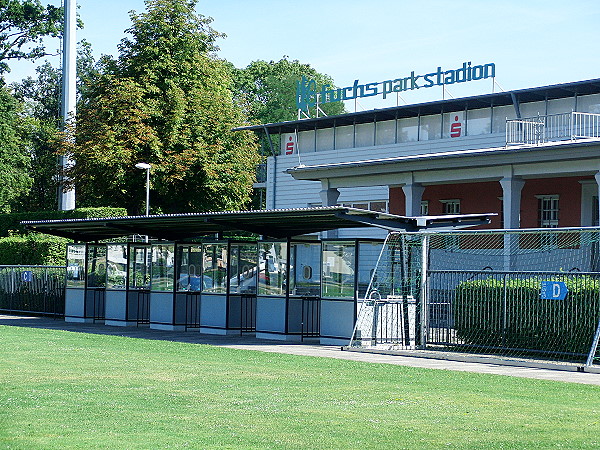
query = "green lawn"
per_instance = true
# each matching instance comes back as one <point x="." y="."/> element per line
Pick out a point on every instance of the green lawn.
<point x="69" y="390"/>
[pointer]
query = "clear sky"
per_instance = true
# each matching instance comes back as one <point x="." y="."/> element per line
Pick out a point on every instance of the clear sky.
<point x="532" y="42"/>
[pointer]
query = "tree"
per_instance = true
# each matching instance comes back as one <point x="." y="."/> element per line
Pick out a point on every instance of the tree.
<point x="166" y="101"/>
<point x="23" y="25"/>
<point x="41" y="125"/>
<point x="268" y="89"/>
<point x="14" y="178"/>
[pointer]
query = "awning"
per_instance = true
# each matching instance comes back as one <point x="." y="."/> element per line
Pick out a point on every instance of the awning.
<point x="277" y="223"/>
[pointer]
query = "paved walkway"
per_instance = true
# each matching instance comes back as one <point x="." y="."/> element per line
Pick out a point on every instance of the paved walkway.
<point x="306" y="349"/>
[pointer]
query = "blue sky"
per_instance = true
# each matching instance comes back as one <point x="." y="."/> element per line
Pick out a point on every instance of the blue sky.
<point x="532" y="43"/>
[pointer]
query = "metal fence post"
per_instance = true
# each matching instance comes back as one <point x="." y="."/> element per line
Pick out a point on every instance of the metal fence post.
<point x="504" y="312"/>
<point x="424" y="325"/>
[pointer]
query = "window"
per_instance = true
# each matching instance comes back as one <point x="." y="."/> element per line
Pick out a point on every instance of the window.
<point x="451" y="206"/>
<point x="375" y="205"/>
<point x="548" y="211"/>
<point x="425" y="208"/>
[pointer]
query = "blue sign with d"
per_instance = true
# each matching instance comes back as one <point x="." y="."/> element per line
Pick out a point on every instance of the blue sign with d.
<point x="553" y="290"/>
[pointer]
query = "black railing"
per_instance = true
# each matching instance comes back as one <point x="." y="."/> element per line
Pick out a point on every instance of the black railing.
<point x="34" y="290"/>
<point x="311" y="317"/>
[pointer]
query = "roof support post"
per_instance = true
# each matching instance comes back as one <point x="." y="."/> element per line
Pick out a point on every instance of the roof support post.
<point x="413" y="193"/>
<point x="329" y="195"/>
<point x="511" y="201"/>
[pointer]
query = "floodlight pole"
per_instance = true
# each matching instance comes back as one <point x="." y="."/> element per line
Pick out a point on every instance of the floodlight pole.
<point x="66" y="198"/>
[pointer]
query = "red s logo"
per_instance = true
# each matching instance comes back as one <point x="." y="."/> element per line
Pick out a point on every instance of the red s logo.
<point x="289" y="147"/>
<point x="455" y="128"/>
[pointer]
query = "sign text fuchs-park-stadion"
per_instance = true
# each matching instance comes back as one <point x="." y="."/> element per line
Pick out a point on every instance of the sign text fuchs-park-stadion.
<point x="307" y="94"/>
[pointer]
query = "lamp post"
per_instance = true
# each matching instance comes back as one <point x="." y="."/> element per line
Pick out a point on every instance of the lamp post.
<point x="146" y="167"/>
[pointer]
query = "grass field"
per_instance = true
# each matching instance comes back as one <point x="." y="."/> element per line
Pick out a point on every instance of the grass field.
<point x="69" y="390"/>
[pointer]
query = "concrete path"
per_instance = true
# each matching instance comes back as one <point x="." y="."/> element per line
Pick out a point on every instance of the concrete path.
<point x="247" y="342"/>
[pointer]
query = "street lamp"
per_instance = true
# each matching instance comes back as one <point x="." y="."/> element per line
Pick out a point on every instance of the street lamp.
<point x="146" y="167"/>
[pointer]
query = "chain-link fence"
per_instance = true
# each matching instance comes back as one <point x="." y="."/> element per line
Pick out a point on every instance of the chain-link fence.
<point x="38" y="290"/>
<point x="531" y="294"/>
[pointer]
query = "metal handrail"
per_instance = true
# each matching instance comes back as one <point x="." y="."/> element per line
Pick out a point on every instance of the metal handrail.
<point x="552" y="128"/>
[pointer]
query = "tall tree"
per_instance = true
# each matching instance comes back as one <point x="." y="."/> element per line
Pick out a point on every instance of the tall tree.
<point x="23" y="25"/>
<point x="268" y="89"/>
<point x="166" y="101"/>
<point x="14" y="163"/>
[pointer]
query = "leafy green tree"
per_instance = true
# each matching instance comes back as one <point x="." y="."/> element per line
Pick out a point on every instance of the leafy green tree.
<point x="268" y="89"/>
<point x="167" y="101"/>
<point x="41" y="125"/>
<point x="14" y="162"/>
<point x="23" y="25"/>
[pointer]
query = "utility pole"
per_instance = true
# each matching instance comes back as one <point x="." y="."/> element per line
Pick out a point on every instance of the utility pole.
<point x="66" y="199"/>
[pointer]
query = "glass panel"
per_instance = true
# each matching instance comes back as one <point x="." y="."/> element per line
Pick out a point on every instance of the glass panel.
<point x="338" y="270"/>
<point x="368" y="253"/>
<point x="324" y="139"/>
<point x="306" y="141"/>
<point x="96" y="269"/>
<point x="116" y="266"/>
<point x="454" y="124"/>
<point x="163" y="260"/>
<point x="139" y="267"/>
<point x="189" y="267"/>
<point x="431" y="127"/>
<point x="305" y="260"/>
<point x="214" y="268"/>
<point x="272" y="262"/>
<point x="408" y="129"/>
<point x="365" y="134"/>
<point x="344" y="137"/>
<point x="499" y="116"/>
<point x="386" y="132"/>
<point x="561" y="105"/>
<point x="479" y="121"/>
<point x="589" y="103"/>
<point x="76" y="265"/>
<point x="532" y="109"/>
<point x="242" y="268"/>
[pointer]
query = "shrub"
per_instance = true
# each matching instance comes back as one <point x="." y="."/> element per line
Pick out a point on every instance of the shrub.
<point x="33" y="249"/>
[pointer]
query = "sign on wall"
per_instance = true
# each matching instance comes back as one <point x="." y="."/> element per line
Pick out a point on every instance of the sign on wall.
<point x="308" y="94"/>
<point x="288" y="144"/>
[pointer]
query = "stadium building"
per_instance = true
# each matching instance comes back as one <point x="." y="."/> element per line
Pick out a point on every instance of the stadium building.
<point x="532" y="156"/>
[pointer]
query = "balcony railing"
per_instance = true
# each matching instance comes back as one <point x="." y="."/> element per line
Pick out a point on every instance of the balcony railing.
<point x="552" y="128"/>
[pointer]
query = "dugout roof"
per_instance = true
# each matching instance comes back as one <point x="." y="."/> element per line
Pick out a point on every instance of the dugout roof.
<point x="279" y="223"/>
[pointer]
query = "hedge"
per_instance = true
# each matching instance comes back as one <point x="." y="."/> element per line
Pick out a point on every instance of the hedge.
<point x="33" y="249"/>
<point x="11" y="223"/>
<point x="532" y="323"/>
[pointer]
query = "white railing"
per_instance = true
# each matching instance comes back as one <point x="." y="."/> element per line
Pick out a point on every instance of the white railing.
<point x="552" y="128"/>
